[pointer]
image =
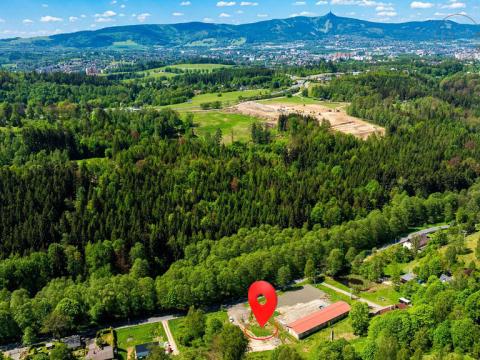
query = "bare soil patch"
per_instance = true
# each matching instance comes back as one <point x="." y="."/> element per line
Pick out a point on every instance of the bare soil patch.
<point x="338" y="118"/>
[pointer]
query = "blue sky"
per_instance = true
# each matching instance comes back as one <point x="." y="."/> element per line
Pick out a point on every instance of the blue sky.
<point x="43" y="17"/>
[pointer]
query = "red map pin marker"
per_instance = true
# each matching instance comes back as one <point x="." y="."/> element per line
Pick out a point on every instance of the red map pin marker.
<point x="262" y="312"/>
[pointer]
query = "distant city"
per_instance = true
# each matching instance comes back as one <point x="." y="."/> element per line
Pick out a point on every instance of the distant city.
<point x="338" y="48"/>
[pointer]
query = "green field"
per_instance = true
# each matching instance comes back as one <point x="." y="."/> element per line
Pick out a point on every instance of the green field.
<point x="227" y="99"/>
<point x="136" y="335"/>
<point x="198" y="67"/>
<point x="161" y="72"/>
<point x="382" y="295"/>
<point x="126" y="44"/>
<point x="230" y="124"/>
<point x="471" y="244"/>
<point x="377" y="293"/>
<point x="333" y="295"/>
<point x="341" y="330"/>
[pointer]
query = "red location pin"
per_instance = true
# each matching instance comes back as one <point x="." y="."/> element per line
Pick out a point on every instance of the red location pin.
<point x="262" y="312"/>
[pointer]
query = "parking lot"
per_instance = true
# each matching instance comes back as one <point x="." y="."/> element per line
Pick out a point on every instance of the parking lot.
<point x="298" y="303"/>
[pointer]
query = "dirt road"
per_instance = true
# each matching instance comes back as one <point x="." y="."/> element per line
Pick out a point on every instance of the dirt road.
<point x="338" y="118"/>
<point x="171" y="340"/>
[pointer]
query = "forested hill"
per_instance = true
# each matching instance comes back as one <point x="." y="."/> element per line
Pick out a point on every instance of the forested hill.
<point x="271" y="31"/>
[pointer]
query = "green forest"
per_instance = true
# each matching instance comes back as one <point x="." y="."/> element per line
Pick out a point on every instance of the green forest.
<point x="113" y="208"/>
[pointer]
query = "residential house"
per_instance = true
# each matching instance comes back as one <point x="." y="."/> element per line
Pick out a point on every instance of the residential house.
<point x="143" y="350"/>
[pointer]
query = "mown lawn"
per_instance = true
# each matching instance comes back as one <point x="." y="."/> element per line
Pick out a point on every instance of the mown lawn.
<point x="161" y="72"/>
<point x="235" y="125"/>
<point x="382" y="295"/>
<point x="333" y="295"/>
<point x="140" y="334"/>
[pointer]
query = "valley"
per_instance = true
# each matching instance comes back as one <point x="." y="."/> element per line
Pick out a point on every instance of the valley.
<point x="152" y="175"/>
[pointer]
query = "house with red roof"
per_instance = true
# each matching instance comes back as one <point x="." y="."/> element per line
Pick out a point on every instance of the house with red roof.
<point x="307" y="325"/>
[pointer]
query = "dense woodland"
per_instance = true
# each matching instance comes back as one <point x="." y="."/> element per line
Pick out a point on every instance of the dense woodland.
<point x="109" y="213"/>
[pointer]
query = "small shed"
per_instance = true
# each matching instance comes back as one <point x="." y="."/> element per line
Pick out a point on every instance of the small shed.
<point x="405" y="301"/>
<point x="407" y="277"/>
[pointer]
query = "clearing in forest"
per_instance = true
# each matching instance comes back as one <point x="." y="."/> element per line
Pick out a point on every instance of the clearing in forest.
<point x="337" y="117"/>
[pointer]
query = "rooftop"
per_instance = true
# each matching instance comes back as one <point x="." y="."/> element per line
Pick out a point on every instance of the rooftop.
<point x="408" y="277"/>
<point x="144" y="349"/>
<point x="320" y="317"/>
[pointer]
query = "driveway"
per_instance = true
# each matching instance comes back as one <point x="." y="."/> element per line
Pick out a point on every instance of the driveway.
<point x="170" y="337"/>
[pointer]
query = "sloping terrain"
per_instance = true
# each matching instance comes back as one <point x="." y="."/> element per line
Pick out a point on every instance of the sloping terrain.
<point x="271" y="31"/>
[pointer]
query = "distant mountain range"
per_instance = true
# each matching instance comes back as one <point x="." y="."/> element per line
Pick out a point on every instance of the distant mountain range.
<point x="271" y="31"/>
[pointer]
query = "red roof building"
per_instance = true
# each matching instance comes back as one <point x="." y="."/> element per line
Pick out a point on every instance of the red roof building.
<point x="303" y="327"/>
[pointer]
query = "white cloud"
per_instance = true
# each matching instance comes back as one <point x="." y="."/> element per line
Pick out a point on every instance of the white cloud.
<point x="224" y="15"/>
<point x="178" y="14"/>
<point x="321" y="2"/>
<point x="2" y="20"/>
<point x="72" y="19"/>
<point x="185" y="3"/>
<point x="384" y="8"/>
<point x="83" y="16"/>
<point x="106" y="14"/>
<point x="248" y="3"/>
<point x="123" y="6"/>
<point x="262" y="15"/>
<point x="104" y="19"/>
<point x="113" y="2"/>
<point x="299" y="3"/>
<point x="207" y="20"/>
<point x="387" y="13"/>
<point x="421" y="5"/>
<point x="454" y="5"/>
<point x="48" y="19"/>
<point x="45" y="5"/>
<point x="226" y="3"/>
<point x="143" y="17"/>
<point x="27" y="21"/>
